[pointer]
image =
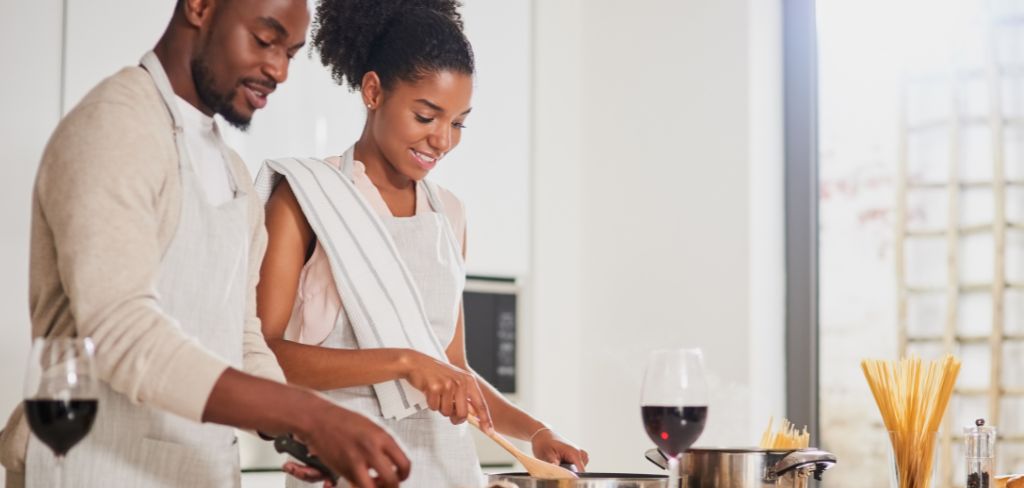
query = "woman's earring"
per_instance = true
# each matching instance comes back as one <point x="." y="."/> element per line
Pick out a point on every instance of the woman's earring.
<point x="369" y="107"/>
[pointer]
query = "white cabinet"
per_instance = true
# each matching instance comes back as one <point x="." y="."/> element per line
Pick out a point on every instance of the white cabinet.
<point x="311" y="116"/>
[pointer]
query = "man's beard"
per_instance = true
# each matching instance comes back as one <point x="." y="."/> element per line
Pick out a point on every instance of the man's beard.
<point x="219" y="103"/>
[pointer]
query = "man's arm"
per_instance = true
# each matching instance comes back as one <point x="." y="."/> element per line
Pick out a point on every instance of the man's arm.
<point x="99" y="189"/>
<point x="347" y="442"/>
<point x="258" y="359"/>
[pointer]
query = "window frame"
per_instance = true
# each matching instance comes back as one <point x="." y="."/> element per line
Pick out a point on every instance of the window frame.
<point x="800" y="108"/>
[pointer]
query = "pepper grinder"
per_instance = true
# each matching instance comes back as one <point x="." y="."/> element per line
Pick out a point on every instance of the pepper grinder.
<point x="980" y="454"/>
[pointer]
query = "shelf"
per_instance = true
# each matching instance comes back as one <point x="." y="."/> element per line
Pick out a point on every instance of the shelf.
<point x="964" y="121"/>
<point x="964" y="339"/>
<point x="963" y="231"/>
<point x="986" y="392"/>
<point x="964" y="185"/>
<point x="964" y="288"/>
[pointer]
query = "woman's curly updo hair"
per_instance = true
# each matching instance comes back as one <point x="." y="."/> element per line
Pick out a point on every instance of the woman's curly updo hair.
<point x="397" y="39"/>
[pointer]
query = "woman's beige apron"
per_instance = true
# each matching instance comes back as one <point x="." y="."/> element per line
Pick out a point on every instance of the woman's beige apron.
<point x="201" y="284"/>
<point x="442" y="454"/>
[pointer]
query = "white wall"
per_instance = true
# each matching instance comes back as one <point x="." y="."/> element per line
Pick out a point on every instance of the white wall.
<point x="99" y="43"/>
<point x="31" y="106"/>
<point x="657" y="213"/>
<point x="555" y="298"/>
<point x="766" y="186"/>
<point x="310" y="115"/>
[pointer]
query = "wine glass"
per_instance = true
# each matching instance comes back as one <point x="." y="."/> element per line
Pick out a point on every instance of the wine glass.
<point x="674" y="403"/>
<point x="61" y="394"/>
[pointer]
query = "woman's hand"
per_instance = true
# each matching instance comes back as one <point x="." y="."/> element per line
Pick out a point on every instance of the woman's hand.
<point x="450" y="390"/>
<point x="553" y="448"/>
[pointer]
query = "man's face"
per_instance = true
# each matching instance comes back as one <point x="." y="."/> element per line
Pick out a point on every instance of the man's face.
<point x="243" y="53"/>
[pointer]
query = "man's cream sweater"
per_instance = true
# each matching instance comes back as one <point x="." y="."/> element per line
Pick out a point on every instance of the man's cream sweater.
<point x="106" y="204"/>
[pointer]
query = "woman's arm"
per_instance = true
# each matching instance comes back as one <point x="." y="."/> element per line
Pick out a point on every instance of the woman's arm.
<point x="448" y="389"/>
<point x="514" y="421"/>
<point x="288" y="239"/>
<point x="507" y="417"/>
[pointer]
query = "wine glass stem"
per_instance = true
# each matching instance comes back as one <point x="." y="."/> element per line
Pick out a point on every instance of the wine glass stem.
<point x="60" y="472"/>
<point x="673" y="471"/>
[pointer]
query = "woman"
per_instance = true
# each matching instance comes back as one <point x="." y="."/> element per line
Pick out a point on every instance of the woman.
<point x="361" y="247"/>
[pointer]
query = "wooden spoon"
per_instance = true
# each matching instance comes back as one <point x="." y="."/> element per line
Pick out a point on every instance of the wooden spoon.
<point x="534" y="466"/>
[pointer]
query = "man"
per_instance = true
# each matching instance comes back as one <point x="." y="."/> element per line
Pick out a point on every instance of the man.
<point x="147" y="237"/>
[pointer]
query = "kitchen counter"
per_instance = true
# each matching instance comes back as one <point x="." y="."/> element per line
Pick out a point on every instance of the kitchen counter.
<point x="263" y="479"/>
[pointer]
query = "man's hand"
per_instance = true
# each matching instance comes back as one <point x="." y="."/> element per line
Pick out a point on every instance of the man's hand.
<point x="348" y="443"/>
<point x="351" y="444"/>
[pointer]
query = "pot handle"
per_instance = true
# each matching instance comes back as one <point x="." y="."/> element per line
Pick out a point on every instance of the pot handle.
<point x="804" y="458"/>
<point x="655" y="456"/>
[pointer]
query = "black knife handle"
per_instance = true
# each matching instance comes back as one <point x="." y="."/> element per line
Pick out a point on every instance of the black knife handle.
<point x="298" y="450"/>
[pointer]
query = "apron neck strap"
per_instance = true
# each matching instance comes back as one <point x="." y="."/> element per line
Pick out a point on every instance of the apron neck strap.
<point x="163" y="85"/>
<point x="347" y="163"/>
<point x="151" y="63"/>
<point x="432" y="195"/>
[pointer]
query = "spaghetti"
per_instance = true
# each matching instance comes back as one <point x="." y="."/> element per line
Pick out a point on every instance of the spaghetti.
<point x="787" y="438"/>
<point x="912" y="398"/>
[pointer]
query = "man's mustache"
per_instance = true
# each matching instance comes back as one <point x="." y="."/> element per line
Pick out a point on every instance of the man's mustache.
<point x="265" y="82"/>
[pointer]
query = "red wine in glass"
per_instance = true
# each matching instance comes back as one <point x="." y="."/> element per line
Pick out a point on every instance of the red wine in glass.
<point x="60" y="424"/>
<point x="673" y="403"/>
<point x="674" y="429"/>
<point x="61" y="395"/>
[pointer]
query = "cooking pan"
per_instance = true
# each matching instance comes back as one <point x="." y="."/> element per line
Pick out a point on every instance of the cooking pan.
<point x="586" y="480"/>
<point x="749" y="468"/>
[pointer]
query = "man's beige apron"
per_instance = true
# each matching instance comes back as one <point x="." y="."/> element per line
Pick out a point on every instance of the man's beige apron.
<point x="442" y="454"/>
<point x="201" y="284"/>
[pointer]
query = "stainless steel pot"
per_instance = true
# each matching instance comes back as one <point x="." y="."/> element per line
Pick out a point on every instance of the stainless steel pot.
<point x="749" y="468"/>
<point x="587" y="480"/>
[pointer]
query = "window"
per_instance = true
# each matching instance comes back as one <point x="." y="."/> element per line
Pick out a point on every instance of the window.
<point x="921" y="225"/>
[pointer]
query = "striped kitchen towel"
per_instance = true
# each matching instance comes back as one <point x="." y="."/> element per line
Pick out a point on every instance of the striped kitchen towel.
<point x="380" y="297"/>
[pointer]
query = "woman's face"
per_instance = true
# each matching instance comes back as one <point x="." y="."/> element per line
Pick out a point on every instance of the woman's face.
<point x="417" y="124"/>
